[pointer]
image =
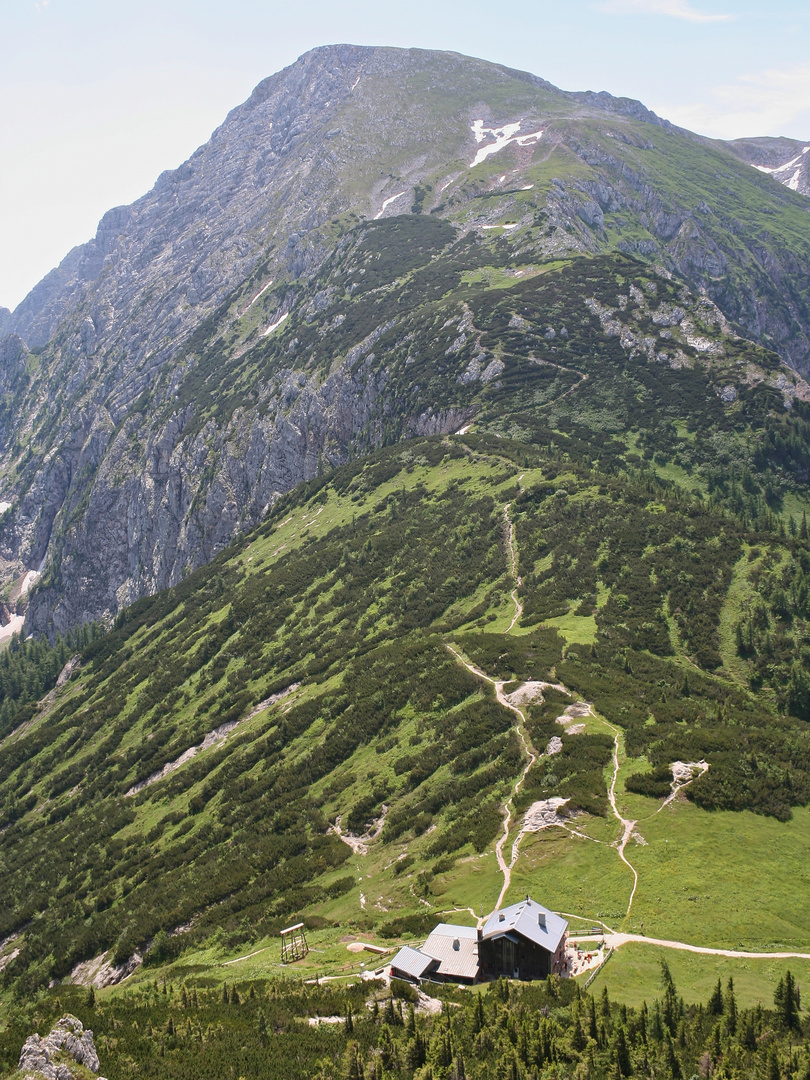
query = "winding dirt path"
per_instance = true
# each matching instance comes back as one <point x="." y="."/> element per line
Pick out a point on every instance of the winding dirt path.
<point x="530" y="755"/>
<point x="626" y="824"/>
<point x="513" y="562"/>
<point x="615" y="941"/>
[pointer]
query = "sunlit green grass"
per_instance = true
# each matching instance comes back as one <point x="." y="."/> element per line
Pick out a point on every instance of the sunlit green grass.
<point x="633" y="975"/>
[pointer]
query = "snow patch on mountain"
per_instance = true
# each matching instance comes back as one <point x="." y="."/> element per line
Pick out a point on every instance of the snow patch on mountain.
<point x="275" y="325"/>
<point x="780" y="172"/>
<point x="503" y="136"/>
<point x="261" y="292"/>
<point x="387" y="203"/>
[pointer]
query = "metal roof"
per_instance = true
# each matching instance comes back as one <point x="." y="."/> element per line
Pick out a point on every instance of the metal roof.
<point x="451" y="930"/>
<point x="412" y="962"/>
<point x="523" y="919"/>
<point x="456" y="949"/>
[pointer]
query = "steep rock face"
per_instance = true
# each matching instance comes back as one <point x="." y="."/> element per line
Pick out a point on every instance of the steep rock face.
<point x="145" y="526"/>
<point x="121" y="464"/>
<point x="50" y="1057"/>
<point x="786" y="160"/>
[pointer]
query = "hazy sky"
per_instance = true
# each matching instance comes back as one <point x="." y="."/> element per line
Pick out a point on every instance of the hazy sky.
<point x="97" y="97"/>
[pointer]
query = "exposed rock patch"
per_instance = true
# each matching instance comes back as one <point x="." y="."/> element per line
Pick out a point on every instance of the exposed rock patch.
<point x="101" y="971"/>
<point x="51" y="1057"/>
<point x="218" y="735"/>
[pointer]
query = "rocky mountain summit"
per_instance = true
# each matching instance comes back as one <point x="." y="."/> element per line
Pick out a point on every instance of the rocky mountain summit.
<point x="56" y="1056"/>
<point x="215" y="344"/>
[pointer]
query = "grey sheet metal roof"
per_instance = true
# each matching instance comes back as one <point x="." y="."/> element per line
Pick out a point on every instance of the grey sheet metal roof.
<point x="523" y="919"/>
<point x="412" y="962"/>
<point x="456" y="949"/>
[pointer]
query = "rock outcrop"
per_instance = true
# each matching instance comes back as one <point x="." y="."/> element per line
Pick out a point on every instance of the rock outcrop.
<point x="51" y="1057"/>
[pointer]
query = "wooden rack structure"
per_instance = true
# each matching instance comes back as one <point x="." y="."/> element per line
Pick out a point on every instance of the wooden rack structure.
<point x="293" y="944"/>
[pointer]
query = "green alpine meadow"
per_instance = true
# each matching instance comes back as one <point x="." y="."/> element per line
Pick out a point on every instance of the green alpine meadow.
<point x="402" y="521"/>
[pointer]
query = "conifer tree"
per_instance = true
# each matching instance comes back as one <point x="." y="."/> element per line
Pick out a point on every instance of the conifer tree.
<point x="478" y="1017"/>
<point x="786" y="999"/>
<point x="593" y="1031"/>
<point x="773" y="1072"/>
<point x="730" y="1006"/>
<point x="672" y="1065"/>
<point x="623" y="1061"/>
<point x="715" y="1006"/>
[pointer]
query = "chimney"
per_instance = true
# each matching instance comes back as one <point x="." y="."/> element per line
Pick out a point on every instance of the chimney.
<point x="541" y="919"/>
<point x="501" y="917"/>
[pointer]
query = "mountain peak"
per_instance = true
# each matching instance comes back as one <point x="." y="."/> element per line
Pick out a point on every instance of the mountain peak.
<point x="211" y="280"/>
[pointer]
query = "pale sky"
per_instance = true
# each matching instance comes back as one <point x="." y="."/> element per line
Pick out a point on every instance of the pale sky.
<point x="97" y="97"/>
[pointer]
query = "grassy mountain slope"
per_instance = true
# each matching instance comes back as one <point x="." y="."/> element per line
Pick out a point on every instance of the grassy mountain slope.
<point x="623" y="520"/>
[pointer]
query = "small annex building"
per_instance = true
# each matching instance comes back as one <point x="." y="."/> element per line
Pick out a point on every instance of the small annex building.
<point x="523" y="941"/>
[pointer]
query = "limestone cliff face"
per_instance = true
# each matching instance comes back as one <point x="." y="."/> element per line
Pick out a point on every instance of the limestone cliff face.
<point x="53" y="1057"/>
<point x="209" y="348"/>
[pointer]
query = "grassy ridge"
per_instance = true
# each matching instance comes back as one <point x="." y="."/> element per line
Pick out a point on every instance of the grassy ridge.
<point x="182" y="796"/>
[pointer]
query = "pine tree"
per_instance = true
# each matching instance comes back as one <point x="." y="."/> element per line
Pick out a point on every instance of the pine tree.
<point x="748" y="1038"/>
<point x="715" y="1006"/>
<point x="478" y="1017"/>
<point x="459" y="1071"/>
<point x="578" y="1038"/>
<point x="669" y="1011"/>
<point x="415" y="1053"/>
<point x="387" y="1048"/>
<point x="593" y="1032"/>
<point x="353" y="1063"/>
<point x="730" y="1006"/>
<point x="786" y="1000"/>
<point x="773" y="1072"/>
<point x="623" y="1061"/>
<point x="410" y="1023"/>
<point x="673" y="1066"/>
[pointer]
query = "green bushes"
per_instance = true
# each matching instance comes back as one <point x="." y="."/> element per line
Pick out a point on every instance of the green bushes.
<point x="176" y="1029"/>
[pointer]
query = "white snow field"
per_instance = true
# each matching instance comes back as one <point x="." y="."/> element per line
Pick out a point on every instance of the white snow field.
<point x="275" y="325"/>
<point x="503" y="136"/>
<point x="387" y="203"/>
